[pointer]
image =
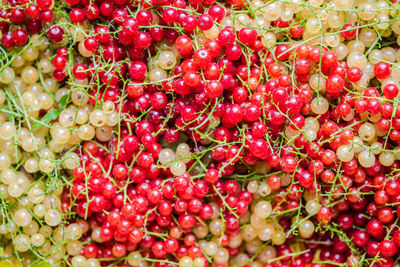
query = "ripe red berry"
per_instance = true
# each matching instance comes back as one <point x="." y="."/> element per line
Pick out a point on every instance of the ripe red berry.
<point x="382" y="70"/>
<point x="247" y="36"/>
<point x="55" y="34"/>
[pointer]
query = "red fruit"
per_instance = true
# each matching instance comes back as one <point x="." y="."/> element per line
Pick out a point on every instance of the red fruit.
<point x="385" y="215"/>
<point x="388" y="248"/>
<point x="334" y="84"/>
<point x="184" y="45"/>
<point x="205" y="22"/>
<point x="76" y="15"/>
<point x="138" y="71"/>
<point x="213" y="89"/>
<point x="226" y="37"/>
<point x="170" y="15"/>
<point x="120" y="172"/>
<point x="390" y="91"/>
<point x="102" y="34"/>
<point x="90" y="251"/>
<point x="382" y="70"/>
<point x="119" y="250"/>
<point x="189" y="23"/>
<point x="324" y="215"/>
<point x="55" y="34"/>
<point x="349" y="31"/>
<point x="282" y="52"/>
<point x="192" y="79"/>
<point x="360" y="238"/>
<point x="302" y="66"/>
<point x="171" y="245"/>
<point x="381" y="197"/>
<point x="372" y="248"/>
<point x="80" y="72"/>
<point x="296" y="32"/>
<point x="135" y="235"/>
<point x="396" y="238"/>
<point x="329" y="60"/>
<point x="354" y="74"/>
<point x="247" y="36"/>
<point x="375" y="228"/>
<point x="186" y="221"/>
<point x="32" y="12"/>
<point x="20" y="37"/>
<point x="202" y="57"/>
<point x="288" y="164"/>
<point x="91" y="43"/>
<point x="45" y="4"/>
<point x="144" y="17"/>
<point x="142" y="40"/>
<point x="158" y="249"/>
<point x="217" y="12"/>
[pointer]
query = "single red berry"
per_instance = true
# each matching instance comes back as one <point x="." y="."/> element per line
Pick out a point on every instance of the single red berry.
<point x="382" y="70"/>
<point x="55" y="34"/>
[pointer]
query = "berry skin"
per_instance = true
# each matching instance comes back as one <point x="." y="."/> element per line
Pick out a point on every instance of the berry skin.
<point x="138" y="70"/>
<point x="55" y="34"/>
<point x="387" y="248"/>
<point x="20" y="37"/>
<point x="390" y="91"/>
<point x="247" y="36"/>
<point x="382" y="70"/>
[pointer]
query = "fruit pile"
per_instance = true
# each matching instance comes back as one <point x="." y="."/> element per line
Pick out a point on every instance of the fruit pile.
<point x="199" y="133"/>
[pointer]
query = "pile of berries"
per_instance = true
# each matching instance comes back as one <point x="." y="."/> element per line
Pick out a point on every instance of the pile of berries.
<point x="199" y="133"/>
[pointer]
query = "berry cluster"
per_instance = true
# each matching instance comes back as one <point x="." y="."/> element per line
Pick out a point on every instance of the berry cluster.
<point x="200" y="133"/>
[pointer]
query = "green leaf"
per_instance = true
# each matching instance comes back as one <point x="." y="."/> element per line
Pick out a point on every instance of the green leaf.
<point x="49" y="116"/>
<point x="64" y="100"/>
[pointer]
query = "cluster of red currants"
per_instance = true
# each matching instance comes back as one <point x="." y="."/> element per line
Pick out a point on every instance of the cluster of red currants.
<point x="215" y="134"/>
